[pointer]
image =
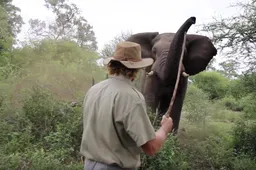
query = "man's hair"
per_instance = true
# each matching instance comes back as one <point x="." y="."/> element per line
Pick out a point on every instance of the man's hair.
<point x="115" y="67"/>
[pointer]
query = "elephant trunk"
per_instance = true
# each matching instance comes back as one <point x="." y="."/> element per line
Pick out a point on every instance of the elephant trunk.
<point x="169" y="72"/>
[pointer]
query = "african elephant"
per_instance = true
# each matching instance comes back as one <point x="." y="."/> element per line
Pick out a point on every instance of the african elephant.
<point x="165" y="49"/>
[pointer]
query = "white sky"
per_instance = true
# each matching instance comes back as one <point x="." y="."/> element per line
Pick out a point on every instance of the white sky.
<point x="110" y="17"/>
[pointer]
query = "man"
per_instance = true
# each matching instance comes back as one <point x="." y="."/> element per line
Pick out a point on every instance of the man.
<point x="116" y="127"/>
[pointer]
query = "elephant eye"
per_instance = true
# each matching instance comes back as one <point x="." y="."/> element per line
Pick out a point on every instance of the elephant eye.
<point x="154" y="51"/>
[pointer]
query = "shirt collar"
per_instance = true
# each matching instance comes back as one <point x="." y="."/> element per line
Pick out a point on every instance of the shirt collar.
<point x="122" y="78"/>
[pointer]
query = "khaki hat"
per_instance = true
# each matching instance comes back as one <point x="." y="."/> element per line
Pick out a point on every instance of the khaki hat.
<point x="129" y="54"/>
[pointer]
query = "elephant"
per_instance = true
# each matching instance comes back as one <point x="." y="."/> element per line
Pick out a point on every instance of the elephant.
<point x="165" y="49"/>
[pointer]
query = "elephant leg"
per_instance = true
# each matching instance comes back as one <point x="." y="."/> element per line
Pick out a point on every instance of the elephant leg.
<point x="163" y="104"/>
<point x="177" y="105"/>
<point x="151" y="88"/>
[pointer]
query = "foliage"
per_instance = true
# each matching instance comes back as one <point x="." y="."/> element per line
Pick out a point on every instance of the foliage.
<point x="167" y="158"/>
<point x="45" y="129"/>
<point x="211" y="82"/>
<point x="249" y="105"/>
<point x="235" y="35"/>
<point x="41" y="130"/>
<point x="69" y="24"/>
<point x="229" y="68"/>
<point x="236" y="89"/>
<point x="249" y="82"/>
<point x="54" y="144"/>
<point x="53" y="64"/>
<point x="14" y="20"/>
<point x="109" y="49"/>
<point x="211" y="146"/>
<point x="5" y="36"/>
<point x="231" y="103"/>
<point x="245" y="138"/>
<point x="194" y="112"/>
<point x="10" y="25"/>
<point x="36" y="160"/>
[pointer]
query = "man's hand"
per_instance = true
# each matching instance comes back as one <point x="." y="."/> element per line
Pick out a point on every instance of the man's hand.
<point x="166" y="123"/>
<point x="153" y="146"/>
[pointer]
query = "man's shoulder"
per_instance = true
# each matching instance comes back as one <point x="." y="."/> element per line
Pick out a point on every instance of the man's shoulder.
<point x="130" y="93"/>
<point x="99" y="85"/>
<point x="95" y="88"/>
<point x="120" y="88"/>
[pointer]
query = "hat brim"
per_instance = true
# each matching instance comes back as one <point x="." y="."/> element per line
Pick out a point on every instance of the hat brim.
<point x="145" y="62"/>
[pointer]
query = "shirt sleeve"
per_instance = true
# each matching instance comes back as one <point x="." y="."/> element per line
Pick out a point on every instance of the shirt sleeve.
<point x="138" y="125"/>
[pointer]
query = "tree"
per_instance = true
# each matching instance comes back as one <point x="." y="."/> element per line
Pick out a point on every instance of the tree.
<point x="10" y="24"/>
<point x="228" y="68"/>
<point x="236" y="35"/>
<point x="5" y="36"/>
<point x="14" y="20"/>
<point x="109" y="49"/>
<point x="68" y="24"/>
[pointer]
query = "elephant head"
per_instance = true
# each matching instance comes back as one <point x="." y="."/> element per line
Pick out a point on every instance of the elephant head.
<point x="166" y="50"/>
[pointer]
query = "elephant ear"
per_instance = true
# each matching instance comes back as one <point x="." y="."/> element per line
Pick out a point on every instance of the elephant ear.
<point x="145" y="40"/>
<point x="199" y="52"/>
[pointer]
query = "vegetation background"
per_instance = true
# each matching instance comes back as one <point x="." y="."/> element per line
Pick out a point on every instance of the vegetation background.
<point x="40" y="80"/>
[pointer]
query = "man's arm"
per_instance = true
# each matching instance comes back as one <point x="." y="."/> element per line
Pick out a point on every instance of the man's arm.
<point x="153" y="146"/>
<point x="137" y="124"/>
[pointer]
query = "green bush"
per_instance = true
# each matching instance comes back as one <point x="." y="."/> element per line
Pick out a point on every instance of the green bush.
<point x="249" y="82"/>
<point x="45" y="133"/>
<point x="249" y="105"/>
<point x="211" y="82"/>
<point x="62" y="67"/>
<point x="36" y="160"/>
<point x="236" y="89"/>
<point x="245" y="138"/>
<point x="243" y="162"/>
<point x="196" y="105"/>
<point x="223" y="115"/>
<point x="231" y="103"/>
<point x="170" y="157"/>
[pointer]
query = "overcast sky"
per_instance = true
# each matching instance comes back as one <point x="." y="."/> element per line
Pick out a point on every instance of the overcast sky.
<point x="111" y="17"/>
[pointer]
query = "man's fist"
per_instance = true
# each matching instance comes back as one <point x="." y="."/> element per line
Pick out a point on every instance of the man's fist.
<point x="167" y="123"/>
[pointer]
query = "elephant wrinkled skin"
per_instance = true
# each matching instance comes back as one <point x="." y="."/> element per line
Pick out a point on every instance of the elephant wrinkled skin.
<point x="165" y="49"/>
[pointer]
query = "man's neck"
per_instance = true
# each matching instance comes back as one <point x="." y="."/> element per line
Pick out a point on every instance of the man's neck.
<point x="122" y="77"/>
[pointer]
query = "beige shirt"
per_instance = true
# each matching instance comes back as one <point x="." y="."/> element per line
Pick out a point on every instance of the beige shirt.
<point x="116" y="123"/>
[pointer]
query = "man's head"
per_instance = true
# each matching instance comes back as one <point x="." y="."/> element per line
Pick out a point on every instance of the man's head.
<point x="127" y="60"/>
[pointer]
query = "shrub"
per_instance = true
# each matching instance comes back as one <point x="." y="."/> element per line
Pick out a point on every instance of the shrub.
<point x="236" y="89"/>
<point x="170" y="157"/>
<point x="60" y="66"/>
<point x="196" y="105"/>
<point x="231" y="103"/>
<point x="213" y="83"/>
<point x="242" y="162"/>
<point x="45" y="134"/>
<point x="249" y="105"/>
<point x="245" y="138"/>
<point x="223" y="115"/>
<point x="36" y="160"/>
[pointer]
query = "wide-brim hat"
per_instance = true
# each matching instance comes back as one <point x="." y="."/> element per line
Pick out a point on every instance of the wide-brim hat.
<point x="129" y="54"/>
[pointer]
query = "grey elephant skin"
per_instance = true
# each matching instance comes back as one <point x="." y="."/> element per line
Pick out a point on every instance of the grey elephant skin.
<point x="166" y="49"/>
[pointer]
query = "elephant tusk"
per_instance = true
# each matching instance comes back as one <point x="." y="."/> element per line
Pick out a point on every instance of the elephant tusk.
<point x="150" y="73"/>
<point x="185" y="74"/>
